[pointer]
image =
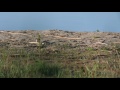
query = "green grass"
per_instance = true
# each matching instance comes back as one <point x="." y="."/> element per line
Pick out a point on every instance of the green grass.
<point x="67" y="63"/>
<point x="27" y="68"/>
<point x="42" y="69"/>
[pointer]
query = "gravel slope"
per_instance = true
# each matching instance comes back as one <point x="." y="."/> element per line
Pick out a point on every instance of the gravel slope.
<point x="21" y="38"/>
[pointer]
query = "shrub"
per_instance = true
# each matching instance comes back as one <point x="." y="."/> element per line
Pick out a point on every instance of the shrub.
<point x="98" y="30"/>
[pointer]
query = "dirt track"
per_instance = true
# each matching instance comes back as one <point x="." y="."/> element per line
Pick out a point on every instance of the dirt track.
<point x="63" y="37"/>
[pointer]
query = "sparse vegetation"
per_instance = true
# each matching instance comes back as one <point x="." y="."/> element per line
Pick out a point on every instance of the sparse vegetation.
<point x="39" y="40"/>
<point x="60" y="61"/>
<point x="90" y="64"/>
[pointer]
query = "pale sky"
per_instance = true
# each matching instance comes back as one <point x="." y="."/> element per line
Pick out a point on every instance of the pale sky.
<point x="72" y="21"/>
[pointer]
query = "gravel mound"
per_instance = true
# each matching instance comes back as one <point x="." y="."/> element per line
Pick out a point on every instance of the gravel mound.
<point x="21" y="38"/>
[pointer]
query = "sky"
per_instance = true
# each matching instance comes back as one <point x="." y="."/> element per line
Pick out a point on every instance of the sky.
<point x="71" y="21"/>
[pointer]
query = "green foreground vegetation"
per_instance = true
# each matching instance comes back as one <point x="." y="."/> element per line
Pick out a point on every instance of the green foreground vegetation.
<point x="64" y="63"/>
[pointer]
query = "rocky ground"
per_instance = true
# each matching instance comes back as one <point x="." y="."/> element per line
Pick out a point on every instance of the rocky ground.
<point x="96" y="54"/>
<point x="21" y="38"/>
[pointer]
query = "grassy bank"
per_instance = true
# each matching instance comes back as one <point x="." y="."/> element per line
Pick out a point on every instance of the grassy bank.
<point x="64" y="63"/>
